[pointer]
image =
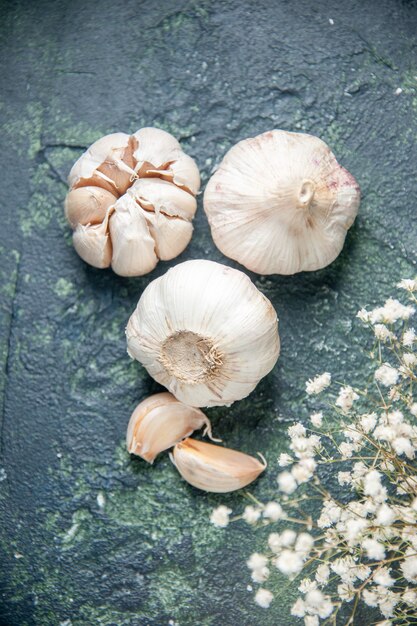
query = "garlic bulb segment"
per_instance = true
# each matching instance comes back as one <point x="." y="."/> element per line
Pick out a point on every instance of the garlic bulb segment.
<point x="92" y="242"/>
<point x="214" y="468"/>
<point x="205" y="332"/>
<point x="159" y="422"/>
<point x="155" y="147"/>
<point x="280" y="203"/>
<point x="148" y="182"/>
<point x="107" y="163"/>
<point x="182" y="170"/>
<point x="88" y="205"/>
<point x="171" y="235"/>
<point x="133" y="246"/>
<point x="158" y="195"/>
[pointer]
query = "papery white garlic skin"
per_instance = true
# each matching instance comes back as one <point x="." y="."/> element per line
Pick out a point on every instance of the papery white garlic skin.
<point x="149" y="184"/>
<point x="205" y="332"/>
<point x="280" y="203"/>
<point x="159" y="422"/>
<point x="214" y="468"/>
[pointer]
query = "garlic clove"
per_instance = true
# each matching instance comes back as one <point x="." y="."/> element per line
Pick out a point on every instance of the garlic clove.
<point x="154" y="147"/>
<point x="171" y="234"/>
<point x="214" y="468"/>
<point x="280" y="203"/>
<point x="182" y="170"/>
<point x="205" y="332"/>
<point x="159" y="422"/>
<point x="158" y="195"/>
<point x="133" y="247"/>
<point x="108" y="163"/>
<point x="93" y="244"/>
<point x="87" y="205"/>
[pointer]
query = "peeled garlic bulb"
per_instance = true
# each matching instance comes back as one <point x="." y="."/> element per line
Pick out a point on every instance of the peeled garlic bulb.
<point x="204" y="331"/>
<point x="213" y="468"/>
<point x="159" y="422"/>
<point x="280" y="203"/>
<point x="132" y="200"/>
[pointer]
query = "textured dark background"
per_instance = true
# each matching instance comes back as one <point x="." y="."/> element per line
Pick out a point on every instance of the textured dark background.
<point x="211" y="73"/>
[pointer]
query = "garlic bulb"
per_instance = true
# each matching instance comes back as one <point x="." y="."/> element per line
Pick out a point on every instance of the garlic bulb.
<point x="132" y="200"/>
<point x="213" y="468"/>
<point x="161" y="421"/>
<point x="205" y="332"/>
<point x="280" y="203"/>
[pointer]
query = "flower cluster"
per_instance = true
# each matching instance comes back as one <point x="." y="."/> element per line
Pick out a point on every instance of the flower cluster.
<point x="361" y="544"/>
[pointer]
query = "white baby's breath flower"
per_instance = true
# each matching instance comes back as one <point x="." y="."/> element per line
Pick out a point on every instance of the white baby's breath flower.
<point x="260" y="575"/>
<point x="263" y="597"/>
<point x="257" y="561"/>
<point x="346" y="592"/>
<point x="298" y="609"/>
<point x="288" y="537"/>
<point x="289" y="562"/>
<point x="402" y="445"/>
<point x="304" y="543"/>
<point x="410" y="359"/>
<point x="273" y="511"/>
<point x="311" y="620"/>
<point x="318" y="604"/>
<point x="303" y="470"/>
<point x="409" y="565"/>
<point x="383" y="577"/>
<point x="344" y="478"/>
<point x="385" y="515"/>
<point x="372" y="483"/>
<point x="391" y="312"/>
<point x="408" y="284"/>
<point x="409" y="337"/>
<point x="318" y="384"/>
<point x="251" y="514"/>
<point x="368" y="421"/>
<point x="285" y="459"/>
<point x="274" y="542"/>
<point x="382" y="333"/>
<point x="374" y="549"/>
<point x="220" y="516"/>
<point x="346" y="398"/>
<point x="387" y="375"/>
<point x="322" y="573"/>
<point x="286" y="482"/>
<point x="317" y="419"/>
<point x="296" y="430"/>
<point x="370" y="597"/>
<point x="413" y="409"/>
<point x="409" y="596"/>
<point x="364" y="315"/>
<point x="307" y="585"/>
<point x="346" y="449"/>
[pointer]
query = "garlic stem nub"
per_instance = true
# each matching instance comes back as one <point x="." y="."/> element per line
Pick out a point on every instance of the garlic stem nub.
<point x="161" y="421"/>
<point x="214" y="468"/>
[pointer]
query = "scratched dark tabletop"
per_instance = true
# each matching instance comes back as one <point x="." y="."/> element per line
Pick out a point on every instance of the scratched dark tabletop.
<point x="88" y="534"/>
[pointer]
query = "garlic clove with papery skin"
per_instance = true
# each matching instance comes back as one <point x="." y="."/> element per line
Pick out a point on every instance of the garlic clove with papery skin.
<point x="182" y="170"/>
<point x="171" y="235"/>
<point x="214" y="468"/>
<point x="133" y="246"/>
<point x="88" y="205"/>
<point x="159" y="422"/>
<point x="107" y="163"/>
<point x="158" y="195"/>
<point x="154" y="147"/>
<point x="280" y="203"/>
<point x="93" y="244"/>
<point x="204" y="331"/>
